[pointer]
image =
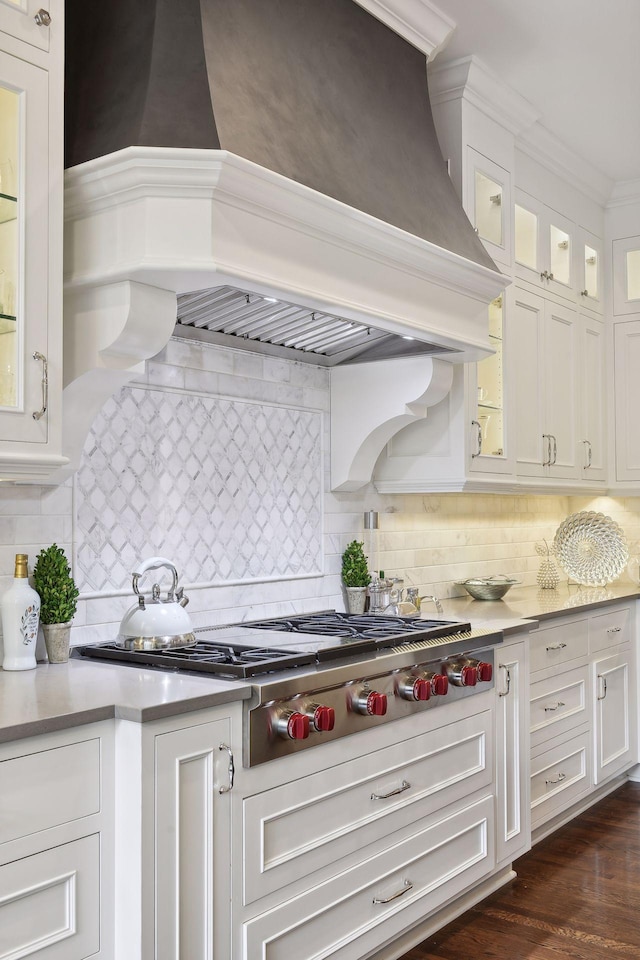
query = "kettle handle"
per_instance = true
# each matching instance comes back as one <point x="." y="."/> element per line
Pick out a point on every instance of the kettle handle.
<point x="154" y="563"/>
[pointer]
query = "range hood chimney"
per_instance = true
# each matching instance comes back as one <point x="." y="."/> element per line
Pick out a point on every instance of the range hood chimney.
<point x="235" y="153"/>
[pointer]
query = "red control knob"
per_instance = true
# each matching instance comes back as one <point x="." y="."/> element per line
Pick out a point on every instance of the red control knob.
<point x="324" y="719"/>
<point x="291" y="725"/>
<point x="413" y="688"/>
<point x="484" y="671"/>
<point x="298" y="726"/>
<point x="439" y="685"/>
<point x="468" y="675"/>
<point x="376" y="704"/>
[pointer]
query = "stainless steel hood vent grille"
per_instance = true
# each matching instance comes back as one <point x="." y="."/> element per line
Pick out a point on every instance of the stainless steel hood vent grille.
<point x="264" y="324"/>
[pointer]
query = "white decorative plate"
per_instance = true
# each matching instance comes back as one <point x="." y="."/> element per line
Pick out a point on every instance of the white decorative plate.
<point x="591" y="548"/>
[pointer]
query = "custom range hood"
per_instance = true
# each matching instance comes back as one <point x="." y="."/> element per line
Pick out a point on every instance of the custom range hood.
<point x="264" y="174"/>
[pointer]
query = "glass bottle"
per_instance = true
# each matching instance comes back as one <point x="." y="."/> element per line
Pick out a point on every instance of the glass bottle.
<point x="20" y="619"/>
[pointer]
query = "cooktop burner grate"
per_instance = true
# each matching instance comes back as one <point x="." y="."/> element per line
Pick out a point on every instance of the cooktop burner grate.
<point x="205" y="657"/>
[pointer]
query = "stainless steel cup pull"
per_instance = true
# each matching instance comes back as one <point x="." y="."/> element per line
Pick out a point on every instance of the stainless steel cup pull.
<point x="392" y="793"/>
<point x="553" y="709"/>
<point x="400" y="893"/>
<point x="39" y="414"/>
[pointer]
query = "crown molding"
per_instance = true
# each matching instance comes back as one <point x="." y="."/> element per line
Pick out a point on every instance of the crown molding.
<point x="549" y="151"/>
<point x="470" y="79"/>
<point x="625" y="193"/>
<point x="419" y="22"/>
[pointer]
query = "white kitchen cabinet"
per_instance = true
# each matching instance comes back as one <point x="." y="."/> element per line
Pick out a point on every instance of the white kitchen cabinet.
<point x="31" y="166"/>
<point x="30" y="21"/>
<point x="544" y="242"/>
<point x="558" y="360"/>
<point x="627" y="399"/>
<point x="583" y="708"/>
<point x="56" y="845"/>
<point x="612" y="727"/>
<point x="487" y="202"/>
<point x="513" y="820"/>
<point x="192" y="843"/>
<point x="590" y="255"/>
<point x="626" y="276"/>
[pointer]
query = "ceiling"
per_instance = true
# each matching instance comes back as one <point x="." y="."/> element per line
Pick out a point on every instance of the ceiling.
<point x="576" y="61"/>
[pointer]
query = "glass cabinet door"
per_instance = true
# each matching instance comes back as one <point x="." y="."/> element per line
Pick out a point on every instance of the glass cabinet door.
<point x="9" y="244"/>
<point x="488" y="442"/>
<point x="24" y="238"/>
<point x="487" y="202"/>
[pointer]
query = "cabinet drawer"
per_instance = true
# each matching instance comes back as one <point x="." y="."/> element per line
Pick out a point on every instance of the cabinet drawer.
<point x="45" y="789"/>
<point x="558" y="704"/>
<point x="342" y="919"/>
<point x="559" y="777"/>
<point x="294" y="830"/>
<point x="50" y="903"/>
<point x="610" y="629"/>
<point x="554" y="645"/>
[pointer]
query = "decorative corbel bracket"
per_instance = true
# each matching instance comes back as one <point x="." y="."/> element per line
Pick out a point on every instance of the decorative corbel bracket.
<point x="109" y="331"/>
<point x="371" y="402"/>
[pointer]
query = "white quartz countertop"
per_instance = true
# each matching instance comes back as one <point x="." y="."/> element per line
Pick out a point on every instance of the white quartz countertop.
<point x="56" y="696"/>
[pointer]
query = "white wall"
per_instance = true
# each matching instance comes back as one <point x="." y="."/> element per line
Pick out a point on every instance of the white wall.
<point x="429" y="540"/>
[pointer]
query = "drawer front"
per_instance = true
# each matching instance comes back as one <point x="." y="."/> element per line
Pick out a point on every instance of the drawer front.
<point x="556" y="645"/>
<point x="399" y="887"/>
<point x="610" y="629"/>
<point x="559" y="777"/>
<point x="45" y="789"/>
<point x="558" y="705"/>
<point x="294" y="830"/>
<point x="50" y="903"/>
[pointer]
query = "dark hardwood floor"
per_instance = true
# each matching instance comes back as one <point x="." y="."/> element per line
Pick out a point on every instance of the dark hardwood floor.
<point x="576" y="897"/>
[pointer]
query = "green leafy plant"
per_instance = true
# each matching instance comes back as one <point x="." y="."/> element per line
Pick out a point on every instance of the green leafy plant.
<point x="55" y="585"/>
<point x="355" y="572"/>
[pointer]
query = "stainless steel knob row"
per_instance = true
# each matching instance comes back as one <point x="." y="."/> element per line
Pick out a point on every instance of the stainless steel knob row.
<point x="545" y="275"/>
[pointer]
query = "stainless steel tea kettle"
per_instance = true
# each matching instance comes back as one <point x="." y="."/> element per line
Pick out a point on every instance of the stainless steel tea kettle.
<point x="157" y="623"/>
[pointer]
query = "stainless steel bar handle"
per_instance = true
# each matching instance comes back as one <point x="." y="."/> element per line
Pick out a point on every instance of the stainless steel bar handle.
<point x="231" y="769"/>
<point x="558" y="779"/>
<point x="476" y="424"/>
<point x="589" y="454"/>
<point x="604" y="686"/>
<point x="555" y="450"/>
<point x="392" y="793"/>
<point x="507" y="676"/>
<point x="553" y="709"/>
<point x="407" y="886"/>
<point x="547" y="437"/>
<point x="39" y="414"/>
<point x="556" y="646"/>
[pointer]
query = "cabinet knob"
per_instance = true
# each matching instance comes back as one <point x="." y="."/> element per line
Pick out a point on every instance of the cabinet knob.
<point x="42" y="17"/>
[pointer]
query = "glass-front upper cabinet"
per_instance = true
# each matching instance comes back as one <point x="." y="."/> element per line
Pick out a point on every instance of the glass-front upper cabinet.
<point x="24" y="223"/>
<point x="543" y="246"/>
<point x="626" y="275"/>
<point x="487" y="202"/>
<point x="590" y="260"/>
<point x="488" y="445"/>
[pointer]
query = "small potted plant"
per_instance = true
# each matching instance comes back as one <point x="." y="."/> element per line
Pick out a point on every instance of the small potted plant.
<point x="58" y="600"/>
<point x="355" y="576"/>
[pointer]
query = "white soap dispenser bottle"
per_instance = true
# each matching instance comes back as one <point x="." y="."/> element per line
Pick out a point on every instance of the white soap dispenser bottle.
<point x="20" y="618"/>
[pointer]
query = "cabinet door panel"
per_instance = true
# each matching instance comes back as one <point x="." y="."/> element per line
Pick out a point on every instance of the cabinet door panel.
<point x="627" y="399"/>
<point x="561" y="353"/>
<point x="513" y="835"/>
<point x="592" y="399"/>
<point x="612" y="727"/>
<point x="526" y="334"/>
